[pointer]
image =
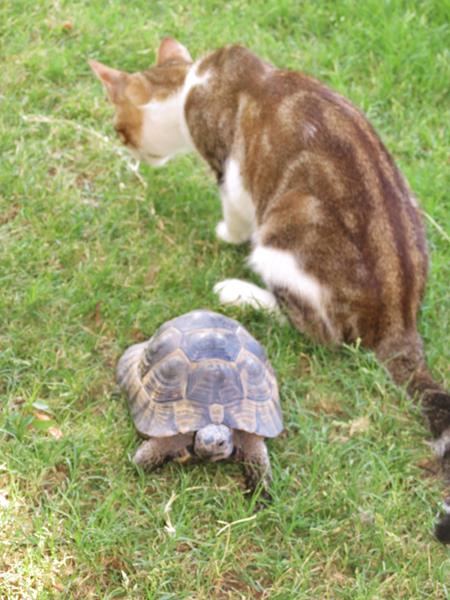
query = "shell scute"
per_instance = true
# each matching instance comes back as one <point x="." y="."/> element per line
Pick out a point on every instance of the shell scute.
<point x="214" y="383"/>
<point x="166" y="382"/>
<point x="211" y="344"/>
<point x="257" y="385"/>
<point x="159" y="346"/>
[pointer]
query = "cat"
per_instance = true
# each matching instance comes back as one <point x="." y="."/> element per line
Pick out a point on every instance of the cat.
<point x="337" y="236"/>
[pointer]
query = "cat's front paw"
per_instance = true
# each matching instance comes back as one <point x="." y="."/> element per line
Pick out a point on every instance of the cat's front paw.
<point x="224" y="234"/>
<point x="244" y="293"/>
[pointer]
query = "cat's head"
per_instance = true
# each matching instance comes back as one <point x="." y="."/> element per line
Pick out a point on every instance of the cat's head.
<point x="149" y="115"/>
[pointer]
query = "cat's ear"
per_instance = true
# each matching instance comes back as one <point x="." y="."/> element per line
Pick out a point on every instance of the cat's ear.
<point x="113" y="79"/>
<point x="170" y="49"/>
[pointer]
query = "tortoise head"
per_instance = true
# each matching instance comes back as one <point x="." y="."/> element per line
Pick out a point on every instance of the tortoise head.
<point x="214" y="442"/>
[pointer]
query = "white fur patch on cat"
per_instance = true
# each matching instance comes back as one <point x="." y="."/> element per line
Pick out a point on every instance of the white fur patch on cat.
<point x="279" y="268"/>
<point x="192" y="80"/>
<point x="223" y="233"/>
<point x="165" y="132"/>
<point x="162" y="135"/>
<point x="237" y="195"/>
<point x="237" y="207"/>
<point x="244" y="293"/>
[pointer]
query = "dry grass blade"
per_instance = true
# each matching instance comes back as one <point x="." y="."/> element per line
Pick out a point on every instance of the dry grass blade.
<point x="133" y="166"/>
<point x="437" y="226"/>
<point x="228" y="525"/>
<point x="167" y="508"/>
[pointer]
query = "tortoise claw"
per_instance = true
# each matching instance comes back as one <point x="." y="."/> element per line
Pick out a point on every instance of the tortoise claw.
<point x="183" y="457"/>
<point x="258" y="488"/>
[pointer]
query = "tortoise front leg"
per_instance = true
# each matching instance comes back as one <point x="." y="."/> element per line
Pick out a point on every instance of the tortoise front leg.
<point x="154" y="452"/>
<point x="252" y="451"/>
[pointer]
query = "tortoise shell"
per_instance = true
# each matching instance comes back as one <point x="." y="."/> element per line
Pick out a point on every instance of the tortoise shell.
<point x="197" y="369"/>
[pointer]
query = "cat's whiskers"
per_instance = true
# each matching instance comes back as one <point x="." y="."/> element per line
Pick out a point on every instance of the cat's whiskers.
<point x="123" y="154"/>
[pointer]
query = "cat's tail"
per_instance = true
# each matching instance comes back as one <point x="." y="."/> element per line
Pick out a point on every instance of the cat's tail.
<point x="403" y="356"/>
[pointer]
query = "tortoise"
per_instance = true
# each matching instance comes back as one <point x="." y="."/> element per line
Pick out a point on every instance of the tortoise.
<point x="203" y="387"/>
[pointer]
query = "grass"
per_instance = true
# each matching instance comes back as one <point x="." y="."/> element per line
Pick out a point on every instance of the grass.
<point x="93" y="258"/>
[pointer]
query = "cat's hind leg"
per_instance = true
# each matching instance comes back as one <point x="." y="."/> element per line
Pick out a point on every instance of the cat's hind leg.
<point x="302" y="296"/>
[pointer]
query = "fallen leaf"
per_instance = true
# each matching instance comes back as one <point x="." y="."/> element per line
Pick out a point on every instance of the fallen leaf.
<point x="42" y="416"/>
<point x="360" y="425"/>
<point x="328" y="406"/>
<point x="55" y="432"/>
<point x="338" y="578"/>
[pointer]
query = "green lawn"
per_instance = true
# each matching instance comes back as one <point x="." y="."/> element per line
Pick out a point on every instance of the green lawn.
<point x="93" y="257"/>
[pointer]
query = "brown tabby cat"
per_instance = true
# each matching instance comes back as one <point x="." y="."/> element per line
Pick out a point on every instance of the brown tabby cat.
<point x="337" y="237"/>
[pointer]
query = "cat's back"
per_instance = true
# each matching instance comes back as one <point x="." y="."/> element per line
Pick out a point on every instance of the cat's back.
<point x="318" y="172"/>
<point x="290" y="132"/>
